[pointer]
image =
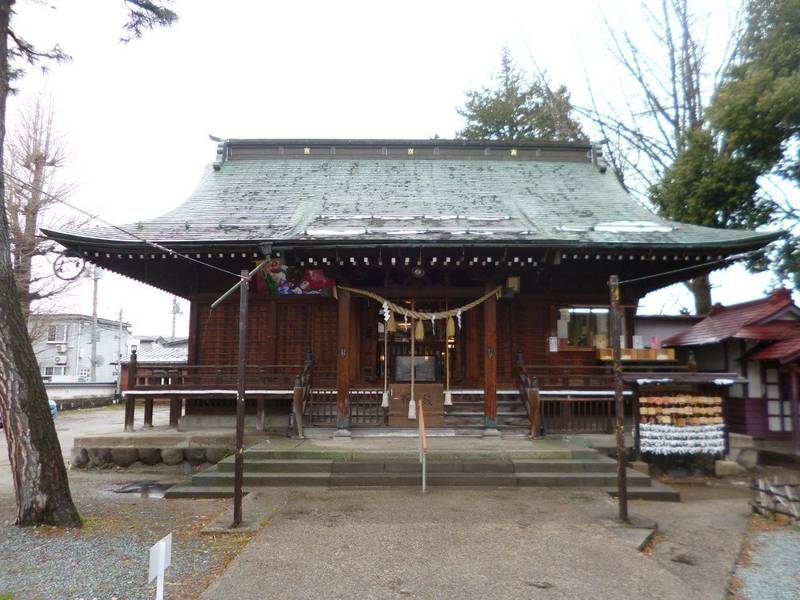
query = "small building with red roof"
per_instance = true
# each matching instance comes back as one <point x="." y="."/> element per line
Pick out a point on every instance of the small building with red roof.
<point x="761" y="341"/>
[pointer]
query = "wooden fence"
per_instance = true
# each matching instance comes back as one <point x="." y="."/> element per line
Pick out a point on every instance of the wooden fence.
<point x="771" y="499"/>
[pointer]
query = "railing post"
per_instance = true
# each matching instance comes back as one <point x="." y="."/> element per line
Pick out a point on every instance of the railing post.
<point x="297" y="405"/>
<point x="536" y="411"/>
<point x="130" y="400"/>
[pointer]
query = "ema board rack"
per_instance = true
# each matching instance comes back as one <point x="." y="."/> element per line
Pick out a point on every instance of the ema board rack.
<point x="681" y="424"/>
<point x="681" y="410"/>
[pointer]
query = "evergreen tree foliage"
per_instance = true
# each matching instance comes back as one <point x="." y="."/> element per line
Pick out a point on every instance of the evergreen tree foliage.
<point x="519" y="107"/>
<point x="721" y="176"/>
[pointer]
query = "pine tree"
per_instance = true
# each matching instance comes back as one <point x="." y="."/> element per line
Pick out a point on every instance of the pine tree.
<point x="519" y="108"/>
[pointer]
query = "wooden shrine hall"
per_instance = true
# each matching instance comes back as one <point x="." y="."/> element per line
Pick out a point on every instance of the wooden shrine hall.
<point x="446" y="268"/>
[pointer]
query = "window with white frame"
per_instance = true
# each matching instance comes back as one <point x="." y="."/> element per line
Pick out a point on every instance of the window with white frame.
<point x="57" y="334"/>
<point x="50" y="371"/>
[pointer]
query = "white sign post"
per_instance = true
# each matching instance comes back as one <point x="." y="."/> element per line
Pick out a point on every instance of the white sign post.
<point x="160" y="559"/>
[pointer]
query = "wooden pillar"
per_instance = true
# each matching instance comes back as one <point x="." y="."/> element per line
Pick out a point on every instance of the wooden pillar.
<point x="343" y="361"/>
<point x="794" y="385"/>
<point x="175" y="406"/>
<point x="148" y="412"/>
<point x="130" y="401"/>
<point x="490" y="362"/>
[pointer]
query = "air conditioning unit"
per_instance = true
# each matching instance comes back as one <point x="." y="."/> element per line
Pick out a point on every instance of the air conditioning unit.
<point x="61" y="360"/>
<point x="62" y="348"/>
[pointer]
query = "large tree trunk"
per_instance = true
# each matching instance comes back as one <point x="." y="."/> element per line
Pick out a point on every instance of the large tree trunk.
<point x="701" y="290"/>
<point x="37" y="465"/>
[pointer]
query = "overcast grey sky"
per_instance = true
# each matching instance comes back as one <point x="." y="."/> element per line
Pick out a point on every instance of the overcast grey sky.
<point x="136" y="117"/>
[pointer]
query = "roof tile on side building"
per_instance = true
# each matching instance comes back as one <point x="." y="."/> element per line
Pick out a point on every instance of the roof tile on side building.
<point x="728" y="321"/>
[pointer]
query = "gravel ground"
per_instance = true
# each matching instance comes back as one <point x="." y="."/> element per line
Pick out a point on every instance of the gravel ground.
<point x="773" y="569"/>
<point x="108" y="557"/>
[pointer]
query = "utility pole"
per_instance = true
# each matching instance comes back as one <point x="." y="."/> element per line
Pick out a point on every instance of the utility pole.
<point x="119" y="359"/>
<point x="176" y="310"/>
<point x="619" y="407"/>
<point x="96" y="274"/>
<point x="240" y="400"/>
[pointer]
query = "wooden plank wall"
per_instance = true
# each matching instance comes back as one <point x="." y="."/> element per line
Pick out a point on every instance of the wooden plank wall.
<point x="280" y="332"/>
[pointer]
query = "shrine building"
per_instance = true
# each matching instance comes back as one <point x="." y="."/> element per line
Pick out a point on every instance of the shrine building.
<point x="458" y="264"/>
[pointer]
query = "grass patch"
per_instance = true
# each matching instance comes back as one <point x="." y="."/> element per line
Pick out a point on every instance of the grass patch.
<point x="7" y="596"/>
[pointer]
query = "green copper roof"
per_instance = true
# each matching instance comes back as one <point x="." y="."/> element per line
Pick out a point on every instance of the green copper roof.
<point x="561" y="199"/>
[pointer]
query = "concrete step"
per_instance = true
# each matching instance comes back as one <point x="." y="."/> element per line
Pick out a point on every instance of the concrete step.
<point x="214" y="478"/>
<point x="549" y="479"/>
<point x="200" y="492"/>
<point x="656" y="491"/>
<point x="416" y="467"/>
<point x="258" y="465"/>
<point x="565" y="466"/>
<point x="414" y="479"/>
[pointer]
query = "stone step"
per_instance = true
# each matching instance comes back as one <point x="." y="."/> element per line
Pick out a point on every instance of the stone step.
<point x="416" y="467"/>
<point x="605" y="480"/>
<point x="656" y="491"/>
<point x="252" y="465"/>
<point x="215" y="478"/>
<point x="414" y="479"/>
<point x="565" y="466"/>
<point x="200" y="492"/>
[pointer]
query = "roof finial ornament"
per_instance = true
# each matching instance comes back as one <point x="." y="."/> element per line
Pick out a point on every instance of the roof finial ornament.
<point x="222" y="146"/>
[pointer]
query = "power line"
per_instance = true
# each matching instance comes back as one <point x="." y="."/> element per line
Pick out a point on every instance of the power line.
<point x="730" y="258"/>
<point x="156" y="245"/>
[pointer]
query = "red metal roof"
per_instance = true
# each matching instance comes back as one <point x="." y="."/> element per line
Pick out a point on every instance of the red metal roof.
<point x="724" y="322"/>
<point x="783" y="351"/>
<point x="777" y="330"/>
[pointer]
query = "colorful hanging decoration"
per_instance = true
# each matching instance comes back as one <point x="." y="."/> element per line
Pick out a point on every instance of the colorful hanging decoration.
<point x="277" y="279"/>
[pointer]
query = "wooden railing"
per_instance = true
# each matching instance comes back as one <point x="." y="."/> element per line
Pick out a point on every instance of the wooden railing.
<point x="586" y="377"/>
<point x="175" y="384"/>
<point x="577" y="414"/>
<point x="223" y="377"/>
<point x="365" y="407"/>
<point x="561" y="399"/>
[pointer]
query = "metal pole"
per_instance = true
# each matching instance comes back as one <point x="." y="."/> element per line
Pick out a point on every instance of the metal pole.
<point x="249" y="275"/>
<point x="616" y="332"/>
<point x="118" y="389"/>
<point x="93" y="366"/>
<point x="240" y="401"/>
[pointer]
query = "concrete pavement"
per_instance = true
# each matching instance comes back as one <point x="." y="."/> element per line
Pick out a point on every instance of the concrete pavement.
<point x="450" y="543"/>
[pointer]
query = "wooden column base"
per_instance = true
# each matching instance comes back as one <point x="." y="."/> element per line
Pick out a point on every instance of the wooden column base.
<point x="148" y="412"/>
<point x="175" y="410"/>
<point x="130" y="405"/>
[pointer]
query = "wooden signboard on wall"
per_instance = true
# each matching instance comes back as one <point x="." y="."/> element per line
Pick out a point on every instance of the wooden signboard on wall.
<point x="432" y="396"/>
